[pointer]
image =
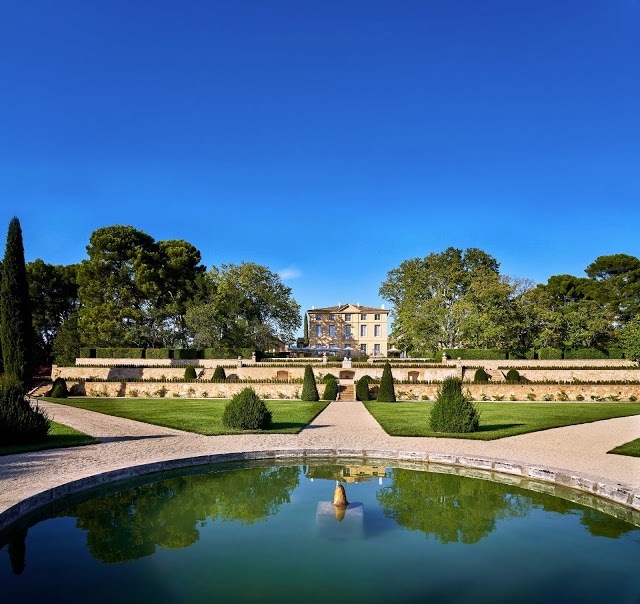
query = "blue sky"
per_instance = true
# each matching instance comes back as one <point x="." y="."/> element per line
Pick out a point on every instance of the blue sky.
<point x="329" y="140"/>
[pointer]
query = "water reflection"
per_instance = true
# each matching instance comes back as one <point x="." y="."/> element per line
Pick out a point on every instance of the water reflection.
<point x="133" y="523"/>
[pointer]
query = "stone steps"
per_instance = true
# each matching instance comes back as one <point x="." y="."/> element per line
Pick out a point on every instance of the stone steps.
<point x="347" y="392"/>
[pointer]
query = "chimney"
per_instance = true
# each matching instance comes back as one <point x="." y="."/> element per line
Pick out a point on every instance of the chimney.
<point x="382" y="307"/>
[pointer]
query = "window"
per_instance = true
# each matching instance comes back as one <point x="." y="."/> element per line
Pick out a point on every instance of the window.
<point x="318" y="330"/>
<point x="347" y="332"/>
<point x="347" y="317"/>
<point x="376" y="317"/>
<point x="363" y="331"/>
<point x="377" y="331"/>
<point x="332" y="317"/>
<point x="318" y="317"/>
<point x="332" y="331"/>
<point x="376" y="348"/>
<point x="363" y="317"/>
<point x="363" y="349"/>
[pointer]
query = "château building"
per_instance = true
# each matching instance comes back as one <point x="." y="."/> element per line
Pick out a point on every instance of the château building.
<point x="352" y="328"/>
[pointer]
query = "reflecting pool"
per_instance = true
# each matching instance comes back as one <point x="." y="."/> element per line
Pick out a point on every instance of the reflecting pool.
<point x="270" y="533"/>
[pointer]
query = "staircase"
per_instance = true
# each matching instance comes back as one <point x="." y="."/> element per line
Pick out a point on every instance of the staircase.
<point x="347" y="391"/>
<point x="41" y="389"/>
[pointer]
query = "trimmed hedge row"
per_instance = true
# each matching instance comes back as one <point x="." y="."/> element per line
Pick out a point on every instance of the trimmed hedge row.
<point x="496" y="354"/>
<point x="162" y="353"/>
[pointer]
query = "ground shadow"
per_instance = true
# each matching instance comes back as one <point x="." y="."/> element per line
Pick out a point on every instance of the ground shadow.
<point x="116" y="439"/>
<point x="494" y="427"/>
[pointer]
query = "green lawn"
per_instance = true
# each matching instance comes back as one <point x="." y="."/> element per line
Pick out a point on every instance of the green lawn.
<point x="631" y="448"/>
<point x="498" y="420"/>
<point x="59" y="436"/>
<point x="203" y="416"/>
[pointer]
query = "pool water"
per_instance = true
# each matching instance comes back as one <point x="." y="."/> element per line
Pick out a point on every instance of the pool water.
<point x="269" y="533"/>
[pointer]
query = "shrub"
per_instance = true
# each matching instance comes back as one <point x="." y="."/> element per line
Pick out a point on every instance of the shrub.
<point x="362" y="388"/>
<point x="562" y="396"/>
<point x="476" y="354"/>
<point x="549" y="353"/>
<point x="219" y="374"/>
<point x="513" y="397"/>
<point x="190" y="373"/>
<point x="119" y="353"/>
<point x="87" y="353"/>
<point x="246" y="411"/>
<point x="481" y="376"/>
<point x="547" y="397"/>
<point x="331" y="389"/>
<point x="586" y="353"/>
<point x="309" y="388"/>
<point x="579" y="397"/>
<point x="632" y="399"/>
<point x="158" y="353"/>
<point x="498" y="397"/>
<point x="531" y="396"/>
<point x="386" y="391"/>
<point x="19" y="422"/>
<point x="453" y="411"/>
<point x="513" y="377"/>
<point x="59" y="388"/>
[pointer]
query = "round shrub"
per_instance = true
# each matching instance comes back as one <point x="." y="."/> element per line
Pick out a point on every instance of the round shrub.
<point x="190" y="373"/>
<point x="19" y="422"/>
<point x="309" y="388"/>
<point x="386" y="391"/>
<point x="513" y="377"/>
<point x="481" y="376"/>
<point x="362" y="388"/>
<point x="219" y="374"/>
<point x="246" y="411"/>
<point x="453" y="412"/>
<point x="59" y="388"/>
<point x="331" y="389"/>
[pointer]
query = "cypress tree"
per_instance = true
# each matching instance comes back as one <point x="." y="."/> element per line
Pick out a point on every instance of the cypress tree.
<point x="362" y="388"/>
<point x="16" y="329"/>
<point x="309" y="388"/>
<point x="453" y="411"/>
<point x="386" y="392"/>
<point x="190" y="373"/>
<point x="219" y="374"/>
<point x="331" y="388"/>
<point x="306" y="330"/>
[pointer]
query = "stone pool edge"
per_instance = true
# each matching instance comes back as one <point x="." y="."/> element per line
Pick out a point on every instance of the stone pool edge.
<point x="619" y="494"/>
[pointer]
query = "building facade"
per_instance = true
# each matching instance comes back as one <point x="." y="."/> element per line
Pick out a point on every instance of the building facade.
<point x="351" y="328"/>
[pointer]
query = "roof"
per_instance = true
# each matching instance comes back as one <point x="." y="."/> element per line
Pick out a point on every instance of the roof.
<point x="348" y="307"/>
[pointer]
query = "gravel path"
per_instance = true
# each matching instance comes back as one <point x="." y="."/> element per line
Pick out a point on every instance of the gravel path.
<point x="580" y="450"/>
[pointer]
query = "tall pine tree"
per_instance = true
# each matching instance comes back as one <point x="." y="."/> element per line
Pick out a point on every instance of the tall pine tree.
<point x="306" y="330"/>
<point x="16" y="329"/>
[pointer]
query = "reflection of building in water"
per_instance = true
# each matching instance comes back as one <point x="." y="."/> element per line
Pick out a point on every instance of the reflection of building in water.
<point x="347" y="473"/>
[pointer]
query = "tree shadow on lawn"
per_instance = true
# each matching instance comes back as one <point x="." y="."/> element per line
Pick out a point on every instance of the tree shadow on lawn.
<point x="57" y="441"/>
<point x="494" y="427"/>
<point x="280" y="426"/>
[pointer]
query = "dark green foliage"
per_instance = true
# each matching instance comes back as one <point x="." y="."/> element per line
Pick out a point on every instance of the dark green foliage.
<point x="586" y="353"/>
<point x="87" y="353"/>
<point x="519" y="354"/>
<point x="185" y="353"/>
<point x="16" y="327"/>
<point x="119" y="353"/>
<point x="158" y="353"/>
<point x="309" y="388"/>
<point x="19" y="422"/>
<point x="59" y="389"/>
<point x="481" y="376"/>
<point x="549" y="353"/>
<point x="476" y="354"/>
<point x="616" y="353"/>
<point x="219" y="374"/>
<point x="452" y="411"/>
<point x="362" y="388"/>
<point x="386" y="391"/>
<point x="246" y="411"/>
<point x="513" y="377"/>
<point x="66" y="345"/>
<point x="190" y="373"/>
<point x="306" y="330"/>
<point x="331" y="389"/>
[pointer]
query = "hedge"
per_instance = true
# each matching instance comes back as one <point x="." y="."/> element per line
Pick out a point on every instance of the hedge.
<point x="549" y="353"/>
<point x="87" y="353"/>
<point x="586" y="353"/>
<point x="476" y="354"/>
<point x="158" y="353"/>
<point x="119" y="353"/>
<point x="185" y="353"/>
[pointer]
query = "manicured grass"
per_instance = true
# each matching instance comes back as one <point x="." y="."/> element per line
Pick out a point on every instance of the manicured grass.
<point x="631" y="448"/>
<point x="59" y="436"/>
<point x="498" y="420"/>
<point x="203" y="416"/>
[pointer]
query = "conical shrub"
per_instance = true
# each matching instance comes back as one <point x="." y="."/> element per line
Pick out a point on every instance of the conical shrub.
<point x="513" y="377"/>
<point x="190" y="373"/>
<point x="246" y="411"/>
<point x="59" y="388"/>
<point x="481" y="376"/>
<point x="452" y="411"/>
<point x="386" y="392"/>
<point x="19" y="422"/>
<point x="219" y="374"/>
<point x="331" y="388"/>
<point x="309" y="388"/>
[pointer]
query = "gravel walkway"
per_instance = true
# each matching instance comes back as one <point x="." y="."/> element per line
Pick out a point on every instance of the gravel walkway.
<point x="575" y="455"/>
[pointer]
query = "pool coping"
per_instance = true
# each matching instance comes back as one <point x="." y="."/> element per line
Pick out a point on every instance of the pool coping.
<point x="622" y="495"/>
